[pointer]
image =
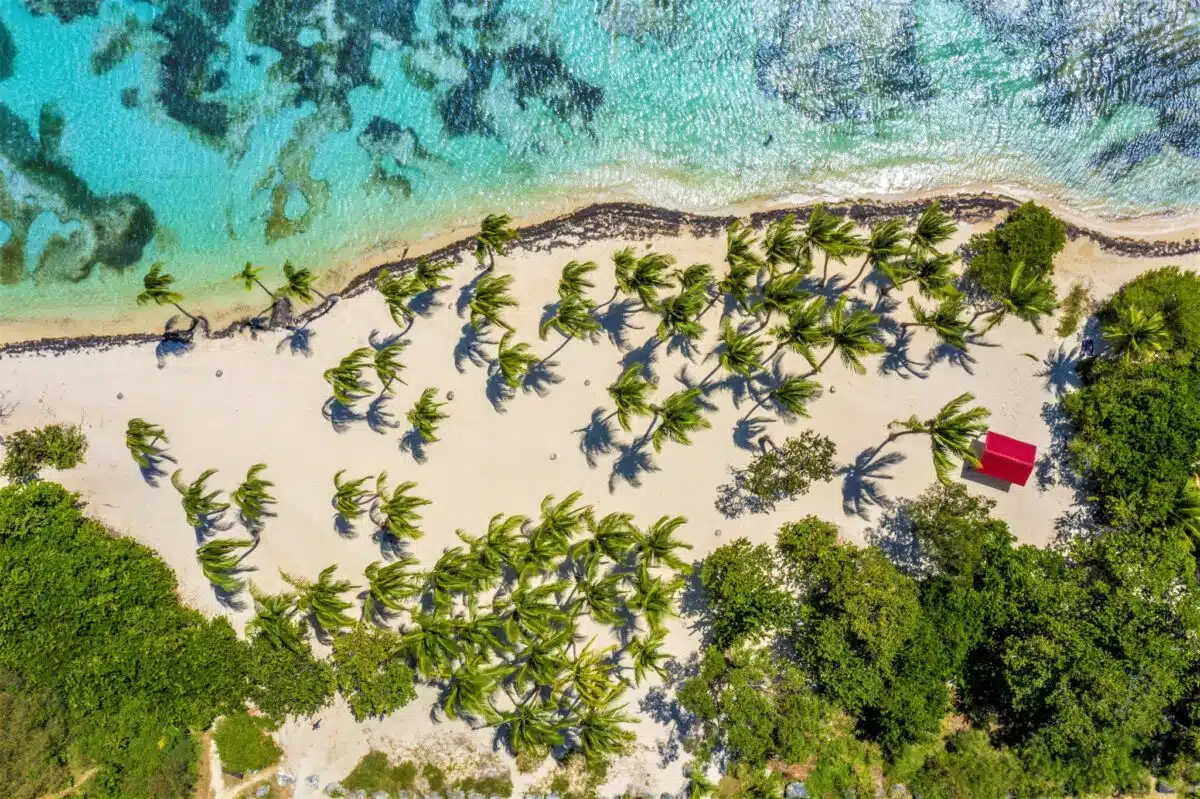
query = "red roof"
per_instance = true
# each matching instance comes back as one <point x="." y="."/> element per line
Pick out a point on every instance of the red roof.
<point x="1007" y="458"/>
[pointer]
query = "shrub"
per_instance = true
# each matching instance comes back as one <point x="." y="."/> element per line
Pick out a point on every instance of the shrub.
<point x="371" y="671"/>
<point x="789" y="471"/>
<point x="435" y="778"/>
<point x="742" y="592"/>
<point x="1030" y="235"/>
<point x="1077" y="305"/>
<point x="1171" y="291"/>
<point x="27" y="452"/>
<point x="244" y="743"/>
<point x="288" y="683"/>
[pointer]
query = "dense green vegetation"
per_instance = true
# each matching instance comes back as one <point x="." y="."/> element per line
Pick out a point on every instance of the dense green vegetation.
<point x="244" y="743"/>
<point x="375" y="772"/>
<point x="27" y="452"/>
<point x="1029" y="237"/>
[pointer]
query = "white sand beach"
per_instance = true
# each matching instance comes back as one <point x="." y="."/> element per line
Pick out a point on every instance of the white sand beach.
<point x="227" y="404"/>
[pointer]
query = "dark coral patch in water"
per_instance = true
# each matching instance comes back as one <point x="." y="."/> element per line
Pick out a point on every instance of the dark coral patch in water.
<point x="65" y="10"/>
<point x="188" y="72"/>
<point x="8" y="53"/>
<point x="540" y="73"/>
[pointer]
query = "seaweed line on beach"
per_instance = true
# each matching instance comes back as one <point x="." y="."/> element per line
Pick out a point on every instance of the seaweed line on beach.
<point x="627" y="220"/>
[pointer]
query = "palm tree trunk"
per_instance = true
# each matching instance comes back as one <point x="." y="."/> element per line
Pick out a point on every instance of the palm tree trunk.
<point x="270" y="293"/>
<point x="566" y="341"/>
<point x="611" y="300"/>
<point x="646" y="435"/>
<point x="825" y="271"/>
<point x="757" y="405"/>
<point x="824" y="360"/>
<point x="708" y="376"/>
<point x="777" y="350"/>
<point x="861" y="269"/>
<point x="763" y="441"/>
<point x="711" y="303"/>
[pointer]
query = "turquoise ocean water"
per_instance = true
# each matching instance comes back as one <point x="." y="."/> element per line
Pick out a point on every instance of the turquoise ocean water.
<point x="206" y="133"/>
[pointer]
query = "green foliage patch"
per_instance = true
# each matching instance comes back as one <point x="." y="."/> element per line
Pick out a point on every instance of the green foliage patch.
<point x="27" y="452"/>
<point x="244" y="743"/>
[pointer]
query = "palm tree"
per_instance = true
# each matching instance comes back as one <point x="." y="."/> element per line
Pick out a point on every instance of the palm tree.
<point x="388" y="365"/>
<point x="561" y="521"/>
<point x="248" y="277"/>
<point x="945" y="320"/>
<point x="696" y="277"/>
<point x="502" y="545"/>
<point x="677" y="418"/>
<point x="1028" y="300"/>
<point x="322" y="600"/>
<point x="252" y="497"/>
<point x="644" y="276"/>
<point x="490" y="299"/>
<point x="156" y="288"/>
<point x="612" y="536"/>
<point x="433" y="644"/>
<point x="574" y="280"/>
<point x="950" y="432"/>
<point x="646" y="655"/>
<point x="654" y="598"/>
<point x="482" y="635"/>
<point x="885" y="243"/>
<point x="833" y="236"/>
<point x="588" y="675"/>
<point x="198" y="503"/>
<point x="781" y="244"/>
<point x="398" y="510"/>
<point x="469" y="690"/>
<point x="600" y="735"/>
<point x="346" y="378"/>
<point x="1135" y="335"/>
<point x="657" y="546"/>
<point x="513" y="361"/>
<point x="273" y="620"/>
<point x="388" y="586"/>
<point x="803" y="330"/>
<point x="530" y="611"/>
<point x="741" y="353"/>
<point x="932" y="272"/>
<point x="739" y="247"/>
<point x="298" y="283"/>
<point x="432" y="275"/>
<point x="349" y="496"/>
<point x="1186" y="510"/>
<point x="680" y="314"/>
<point x="533" y="728"/>
<point x="630" y="394"/>
<point x="571" y="319"/>
<point x="542" y="660"/>
<point x="457" y="572"/>
<point x="792" y="395"/>
<point x="934" y="226"/>
<point x="495" y="234"/>
<point x="398" y="291"/>
<point x="851" y="335"/>
<point x="426" y="415"/>
<point x="219" y="561"/>
<point x="780" y="294"/>
<point x="738" y="283"/>
<point x="141" y="438"/>
<point x="601" y="596"/>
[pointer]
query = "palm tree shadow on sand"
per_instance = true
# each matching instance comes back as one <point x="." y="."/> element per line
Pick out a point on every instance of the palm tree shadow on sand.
<point x="632" y="462"/>
<point x="644" y="355"/>
<point x="861" y="489"/>
<point x="232" y="599"/>
<point x="540" y="377"/>
<point x="390" y="547"/>
<point x="1059" y="368"/>
<point x="153" y="471"/>
<point x="339" y="416"/>
<point x="498" y="392"/>
<point x="470" y="348"/>
<point x="297" y="342"/>
<point x="615" y="320"/>
<point x="378" y="417"/>
<point x="897" y="359"/>
<point x="596" y="439"/>
<point x="414" y="444"/>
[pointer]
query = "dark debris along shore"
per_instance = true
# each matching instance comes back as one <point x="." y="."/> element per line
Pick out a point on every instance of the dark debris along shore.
<point x="629" y="221"/>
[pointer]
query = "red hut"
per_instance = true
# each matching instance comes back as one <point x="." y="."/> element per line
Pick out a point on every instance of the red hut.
<point x="1007" y="458"/>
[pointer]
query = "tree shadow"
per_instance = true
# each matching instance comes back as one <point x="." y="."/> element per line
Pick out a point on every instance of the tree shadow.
<point x="644" y="355"/>
<point x="344" y="527"/>
<point x="297" y="342"/>
<point x="210" y="525"/>
<point x="895" y="538"/>
<point x="632" y="462"/>
<point x="390" y="547"/>
<point x="548" y="312"/>
<point x="465" y="294"/>
<point x="414" y="443"/>
<point x="684" y="346"/>
<point x="1059" y="370"/>
<point x="498" y="392"/>
<point x="231" y="599"/>
<point x="540" y="377"/>
<point x="153" y="471"/>
<point x="897" y="360"/>
<point x="861" y="488"/>
<point x="425" y="303"/>
<point x="615" y="321"/>
<point x="172" y="344"/>
<point x="746" y="432"/>
<point x="734" y="499"/>
<point x="943" y="352"/>
<point x="470" y="348"/>
<point x="339" y="416"/>
<point x="596" y="438"/>
<point x="378" y="417"/>
<point x="1054" y="465"/>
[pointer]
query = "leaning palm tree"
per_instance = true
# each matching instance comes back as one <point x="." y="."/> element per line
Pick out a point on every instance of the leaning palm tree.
<point x="630" y="394"/>
<point x="350" y="496"/>
<point x="390" y="586"/>
<point x="802" y="330"/>
<point x="513" y="360"/>
<point x="219" y="560"/>
<point x="572" y="318"/>
<point x="141" y="439"/>
<point x="533" y="728"/>
<point x="388" y="366"/>
<point x="322" y="600"/>
<point x="644" y="276"/>
<point x="492" y="295"/>
<point x="933" y="272"/>
<point x="601" y="596"/>
<point x="298" y="283"/>
<point x="530" y="610"/>
<point x="432" y="275"/>
<point x="198" y="502"/>
<point x="433" y="644"/>
<point x="273" y="621"/>
<point x="945" y="320"/>
<point x="574" y="280"/>
<point x="501" y="546"/>
<point x="1135" y="335"/>
<point x="252" y="497"/>
<point x="542" y="660"/>
<point x="677" y="418"/>
<point x="469" y="690"/>
<point x="779" y="295"/>
<point x="646" y="655"/>
<point x="1028" y="300"/>
<point x="739" y="247"/>
<point x="851" y="335"/>
<point x="680" y="316"/>
<point x="600" y="736"/>
<point x="697" y="278"/>
<point x="398" y="290"/>
<point x="951" y="432"/>
<point x="156" y="288"/>
<point x="588" y="676"/>
<point x="781" y="244"/>
<point x="612" y="536"/>
<point x="740" y="353"/>
<point x="885" y="243"/>
<point x="397" y="510"/>
<point x="454" y="573"/>
<point x="657" y="546"/>
<point x="654" y="598"/>
<point x="248" y="277"/>
<point x="561" y="521"/>
<point x="495" y="234"/>
<point x="738" y="284"/>
<point x="792" y="396"/>
<point x="346" y="378"/>
<point x="426" y="415"/>
<point x="934" y="226"/>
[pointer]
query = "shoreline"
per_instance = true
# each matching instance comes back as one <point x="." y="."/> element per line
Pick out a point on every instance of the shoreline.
<point x="624" y="220"/>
